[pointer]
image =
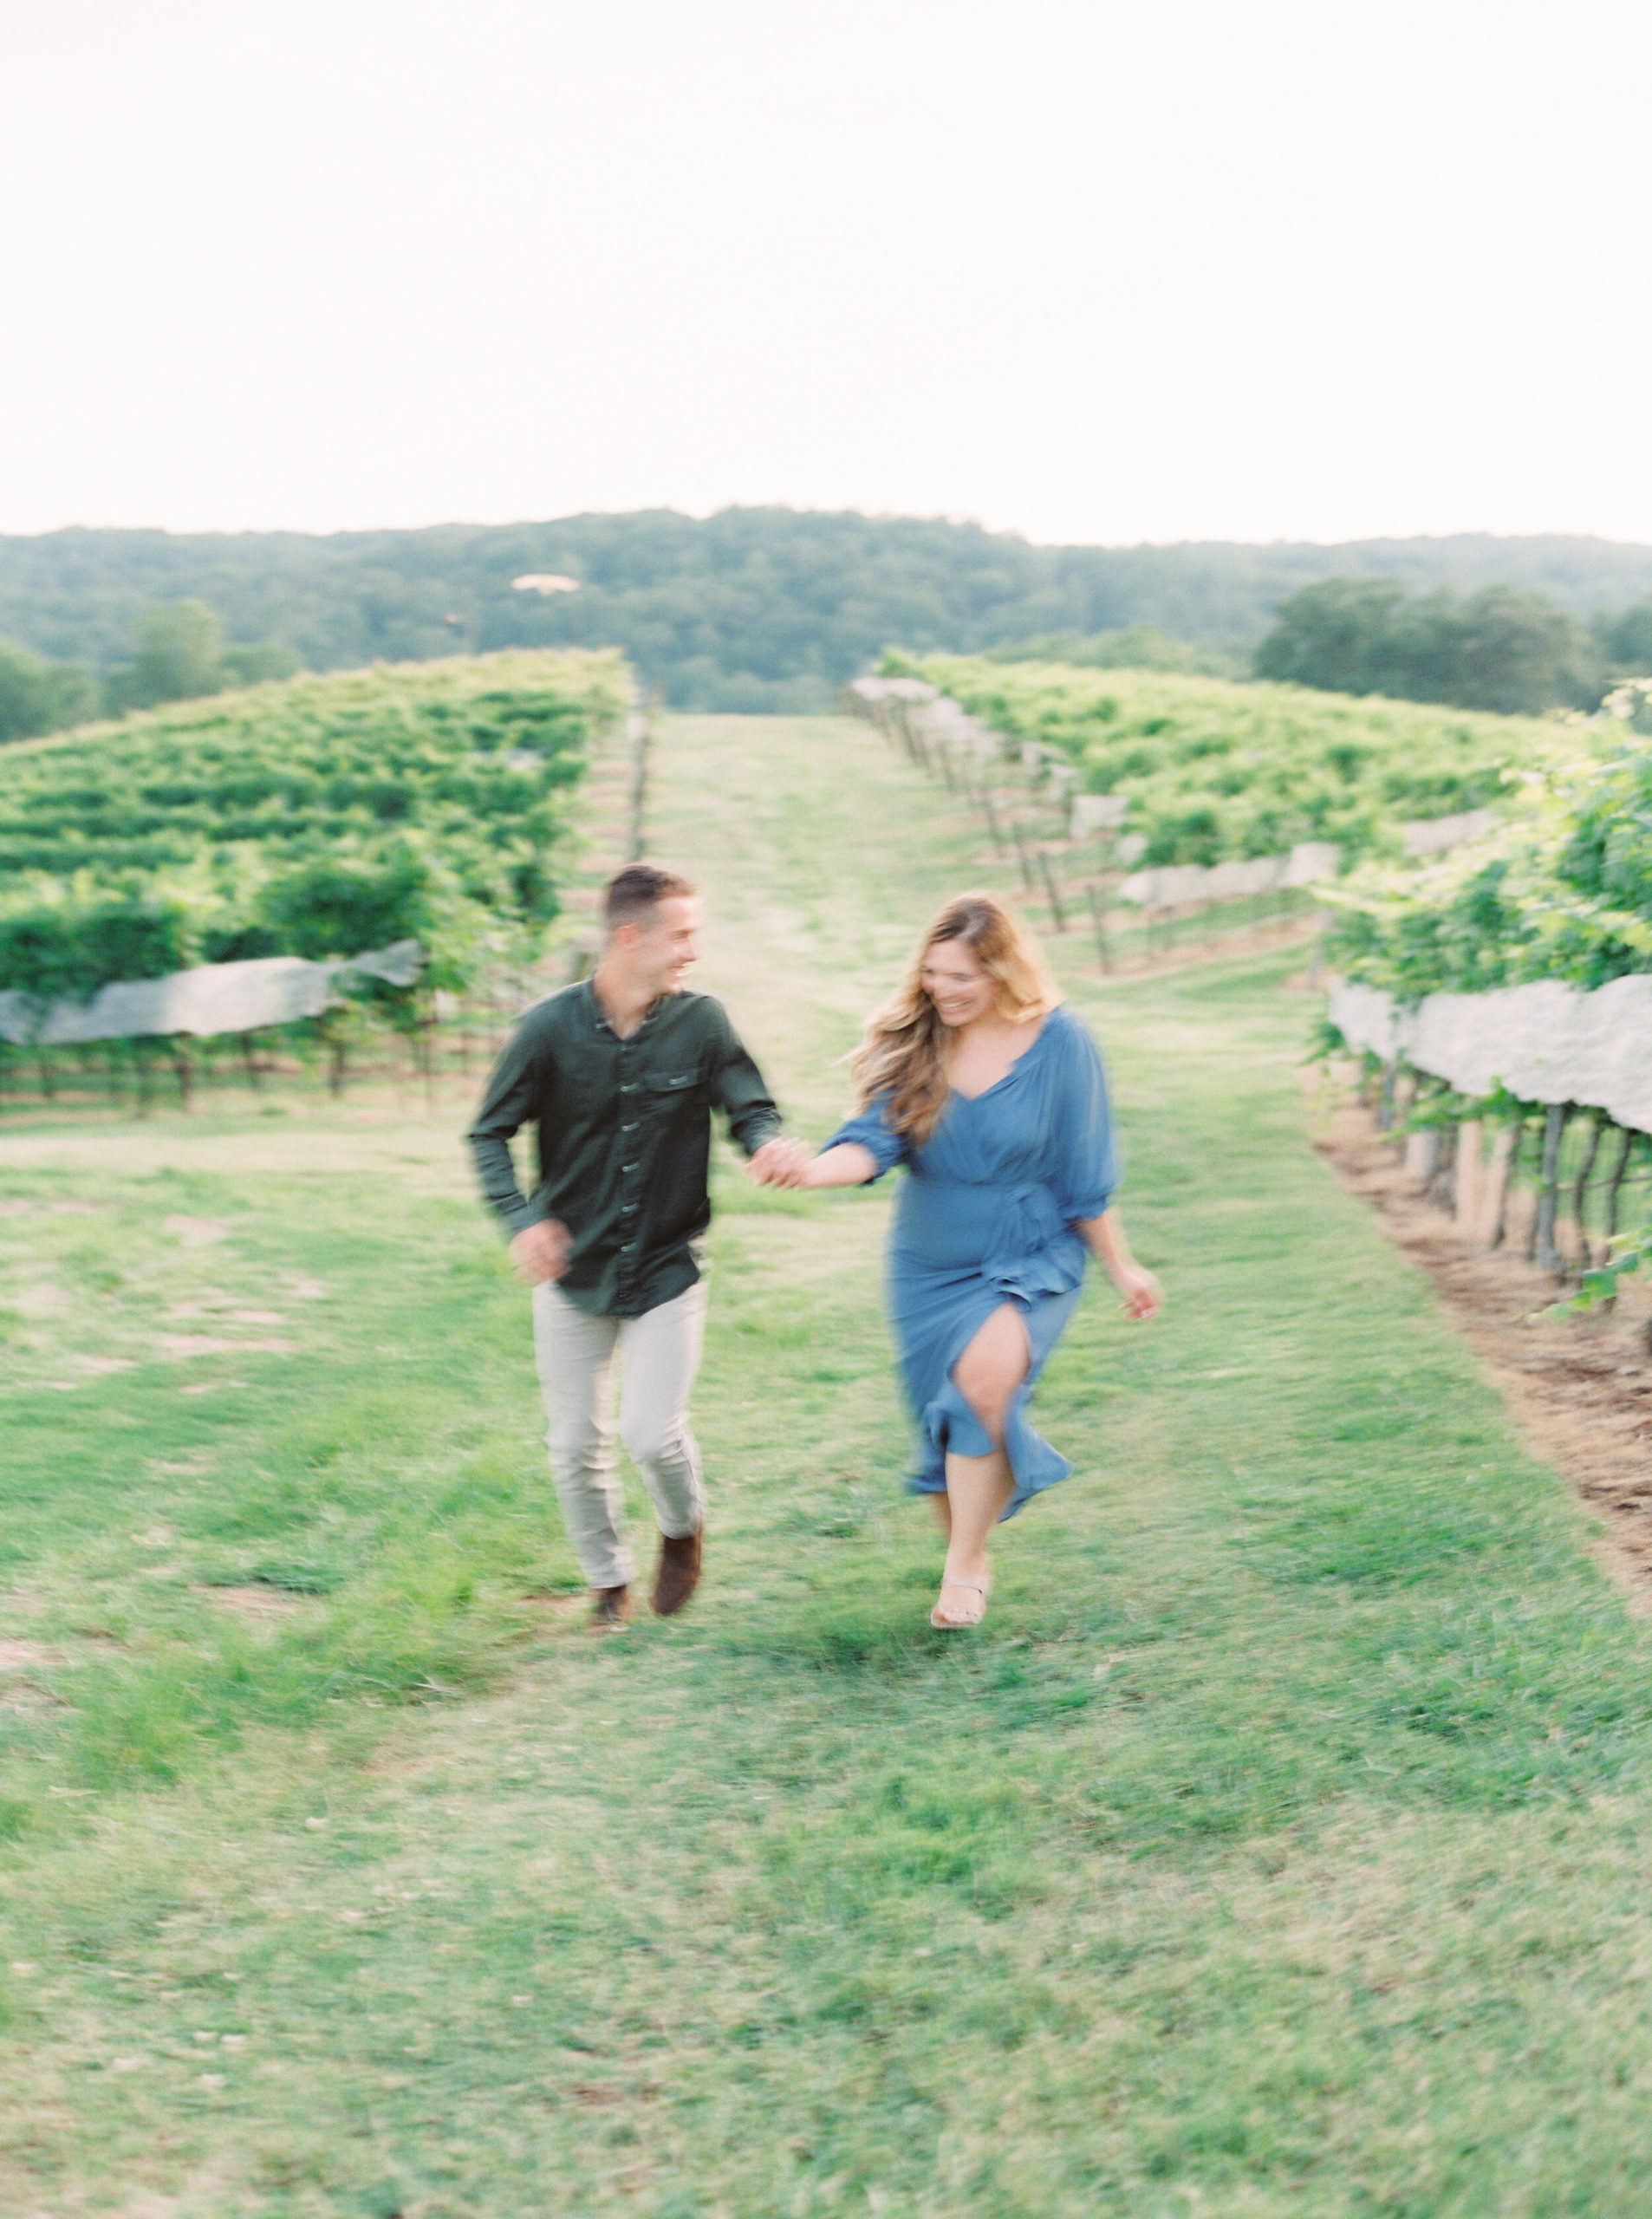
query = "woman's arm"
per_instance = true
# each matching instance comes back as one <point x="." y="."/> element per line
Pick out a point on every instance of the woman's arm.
<point x="848" y="1164"/>
<point x="1141" y="1294"/>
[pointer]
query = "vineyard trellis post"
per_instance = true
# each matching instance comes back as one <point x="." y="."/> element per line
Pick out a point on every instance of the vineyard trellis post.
<point x="1540" y="1247"/>
<point x="639" y="729"/>
<point x="1614" y="1185"/>
<point x="985" y="795"/>
<point x="1385" y="1095"/>
<point x="1056" y="910"/>
<point x="1469" y="1197"/>
<point x="1579" y="1187"/>
<point x="1097" y="898"/>
<point x="1505" y="1155"/>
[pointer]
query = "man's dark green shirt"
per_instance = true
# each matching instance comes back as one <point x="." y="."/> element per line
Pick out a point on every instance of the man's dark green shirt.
<point x="624" y="1137"/>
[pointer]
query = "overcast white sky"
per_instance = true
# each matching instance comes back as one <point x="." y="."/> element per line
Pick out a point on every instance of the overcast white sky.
<point x="1094" y="269"/>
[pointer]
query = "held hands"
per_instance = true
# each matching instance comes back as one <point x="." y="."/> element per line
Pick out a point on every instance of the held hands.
<point x="781" y="1162"/>
<point x="540" y="1252"/>
<point x="1140" y="1292"/>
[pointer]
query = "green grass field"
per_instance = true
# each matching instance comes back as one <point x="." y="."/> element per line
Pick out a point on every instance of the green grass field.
<point x="1278" y="1847"/>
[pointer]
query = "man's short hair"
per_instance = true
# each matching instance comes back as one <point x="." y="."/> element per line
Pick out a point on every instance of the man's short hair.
<point x="632" y="893"/>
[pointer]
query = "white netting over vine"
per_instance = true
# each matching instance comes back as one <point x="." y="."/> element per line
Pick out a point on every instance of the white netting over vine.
<point x="1172" y="884"/>
<point x="213" y="998"/>
<point x="936" y="719"/>
<point x="1544" y="1042"/>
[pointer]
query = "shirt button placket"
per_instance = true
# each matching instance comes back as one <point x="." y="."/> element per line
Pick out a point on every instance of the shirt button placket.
<point x="628" y="1207"/>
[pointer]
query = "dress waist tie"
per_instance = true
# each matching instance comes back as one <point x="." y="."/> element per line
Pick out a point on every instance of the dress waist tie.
<point x="1036" y="1252"/>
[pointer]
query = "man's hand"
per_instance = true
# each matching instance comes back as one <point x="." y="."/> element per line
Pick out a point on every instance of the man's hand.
<point x="540" y="1252"/>
<point x="780" y="1162"/>
<point x="1138" y="1289"/>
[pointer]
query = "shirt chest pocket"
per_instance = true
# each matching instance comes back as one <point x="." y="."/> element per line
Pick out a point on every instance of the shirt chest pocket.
<point x="670" y="1093"/>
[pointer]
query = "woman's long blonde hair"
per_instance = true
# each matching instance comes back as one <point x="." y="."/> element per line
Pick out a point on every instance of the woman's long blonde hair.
<point x="906" y="1049"/>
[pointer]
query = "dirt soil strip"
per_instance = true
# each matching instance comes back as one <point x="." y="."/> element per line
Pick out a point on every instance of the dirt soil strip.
<point x="1580" y="1388"/>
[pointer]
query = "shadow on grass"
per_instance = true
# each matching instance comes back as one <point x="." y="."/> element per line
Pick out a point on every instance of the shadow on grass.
<point x="862" y="1612"/>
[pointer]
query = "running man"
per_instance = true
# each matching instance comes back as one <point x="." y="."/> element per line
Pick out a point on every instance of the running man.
<point x="620" y="1075"/>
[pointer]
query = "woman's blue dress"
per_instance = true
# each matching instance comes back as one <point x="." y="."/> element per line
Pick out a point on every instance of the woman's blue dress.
<point x="987" y="1216"/>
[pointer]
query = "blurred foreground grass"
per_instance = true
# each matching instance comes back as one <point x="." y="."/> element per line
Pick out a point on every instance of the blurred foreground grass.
<point x="1278" y="1847"/>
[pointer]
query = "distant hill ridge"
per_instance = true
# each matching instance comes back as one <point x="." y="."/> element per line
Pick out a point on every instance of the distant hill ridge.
<point x="750" y="608"/>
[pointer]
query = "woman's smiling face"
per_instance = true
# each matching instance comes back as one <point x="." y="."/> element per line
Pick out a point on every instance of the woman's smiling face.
<point x="961" y="988"/>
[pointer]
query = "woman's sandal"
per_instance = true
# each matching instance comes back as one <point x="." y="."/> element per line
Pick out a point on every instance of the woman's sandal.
<point x="957" y="1625"/>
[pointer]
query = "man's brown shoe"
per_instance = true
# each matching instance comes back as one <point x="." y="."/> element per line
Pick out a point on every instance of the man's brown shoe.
<point x="610" y="1608"/>
<point x="679" y="1573"/>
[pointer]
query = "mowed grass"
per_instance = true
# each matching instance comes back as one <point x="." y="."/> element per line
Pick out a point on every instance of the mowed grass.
<point x="1278" y="1845"/>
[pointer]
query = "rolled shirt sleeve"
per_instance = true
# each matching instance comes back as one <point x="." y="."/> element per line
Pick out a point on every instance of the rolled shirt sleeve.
<point x="743" y="1095"/>
<point x="509" y="1103"/>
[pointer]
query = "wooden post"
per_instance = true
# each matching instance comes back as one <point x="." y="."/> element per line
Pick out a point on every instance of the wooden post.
<point x="1615" y="1184"/>
<point x="637" y="723"/>
<point x="1494" y="1216"/>
<point x="1614" y="1199"/>
<point x="1098" y="921"/>
<point x="1422" y="1153"/>
<point x="1540" y="1248"/>
<point x="1403" y="1099"/>
<point x="337" y="1057"/>
<point x="1470" y="1182"/>
<point x="1056" y="910"/>
<point x="1579" y="1189"/>
<point x="1385" y="1096"/>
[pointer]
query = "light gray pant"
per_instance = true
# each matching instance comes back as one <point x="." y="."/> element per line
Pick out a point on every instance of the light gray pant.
<point x="658" y="1356"/>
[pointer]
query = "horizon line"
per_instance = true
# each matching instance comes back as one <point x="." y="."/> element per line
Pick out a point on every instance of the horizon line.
<point x="760" y="508"/>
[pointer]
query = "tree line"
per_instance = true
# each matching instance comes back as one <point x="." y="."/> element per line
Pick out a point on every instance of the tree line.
<point x="178" y="655"/>
<point x="749" y="609"/>
<point x="1501" y="648"/>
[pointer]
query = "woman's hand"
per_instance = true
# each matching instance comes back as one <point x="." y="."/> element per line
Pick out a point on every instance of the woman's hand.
<point x="1138" y="1289"/>
<point x="782" y="1162"/>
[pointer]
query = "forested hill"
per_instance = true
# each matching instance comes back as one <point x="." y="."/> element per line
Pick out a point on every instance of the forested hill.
<point x="751" y="608"/>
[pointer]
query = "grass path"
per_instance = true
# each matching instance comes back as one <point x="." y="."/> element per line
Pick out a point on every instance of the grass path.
<point x="1278" y="1848"/>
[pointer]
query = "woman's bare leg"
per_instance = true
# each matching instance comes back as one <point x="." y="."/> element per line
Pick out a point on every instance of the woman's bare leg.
<point x="979" y="1488"/>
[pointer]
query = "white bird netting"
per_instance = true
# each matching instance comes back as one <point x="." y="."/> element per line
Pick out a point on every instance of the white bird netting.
<point x="1547" y="1042"/>
<point x="936" y="719"/>
<point x="213" y="997"/>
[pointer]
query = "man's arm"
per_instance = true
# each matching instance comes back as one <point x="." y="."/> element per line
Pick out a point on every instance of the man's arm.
<point x="744" y="1096"/>
<point x="539" y="1247"/>
<point x="506" y="1108"/>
